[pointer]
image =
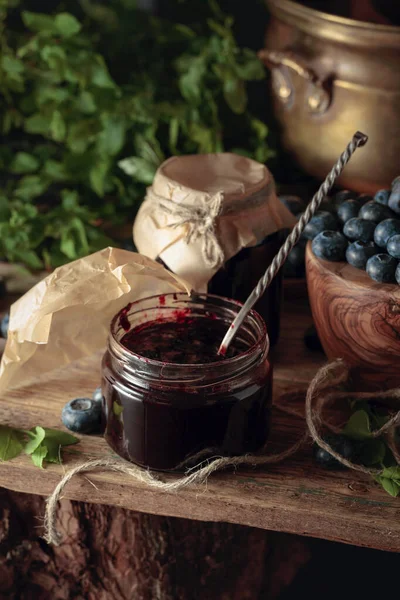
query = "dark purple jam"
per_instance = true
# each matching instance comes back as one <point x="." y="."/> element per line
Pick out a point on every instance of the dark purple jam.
<point x="187" y="341"/>
<point x="159" y="420"/>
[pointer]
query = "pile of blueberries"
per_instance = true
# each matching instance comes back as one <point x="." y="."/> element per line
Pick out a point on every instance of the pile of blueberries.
<point x="361" y="229"/>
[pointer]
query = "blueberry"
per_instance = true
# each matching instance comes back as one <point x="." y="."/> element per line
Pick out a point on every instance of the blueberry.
<point x="4" y="325"/>
<point x="382" y="197"/>
<point x="311" y="339"/>
<point x="348" y="210"/>
<point x="364" y="198"/>
<point x="330" y="245"/>
<point x="382" y="268"/>
<point x="82" y="415"/>
<point x="385" y="230"/>
<point x="372" y="211"/>
<point x="342" y="196"/>
<point x="321" y="221"/>
<point x="359" y="229"/>
<point x="328" y="204"/>
<point x="397" y="275"/>
<point x="295" y="263"/>
<point x="394" y="201"/>
<point x="393" y="246"/>
<point x="358" y="253"/>
<point x="294" y="203"/>
<point x="98" y="395"/>
<point x="338" y="443"/>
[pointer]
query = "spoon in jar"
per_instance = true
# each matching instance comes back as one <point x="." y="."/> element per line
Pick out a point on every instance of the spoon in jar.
<point x="359" y="139"/>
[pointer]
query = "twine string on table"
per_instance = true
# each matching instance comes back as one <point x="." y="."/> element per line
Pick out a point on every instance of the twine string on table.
<point x="359" y="139"/>
<point x="321" y="393"/>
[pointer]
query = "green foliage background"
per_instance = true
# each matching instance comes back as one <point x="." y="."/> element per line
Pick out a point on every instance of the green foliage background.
<point x="93" y="97"/>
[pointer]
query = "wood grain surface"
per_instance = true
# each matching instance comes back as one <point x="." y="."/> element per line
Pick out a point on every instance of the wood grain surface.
<point x="296" y="496"/>
<point x="357" y="319"/>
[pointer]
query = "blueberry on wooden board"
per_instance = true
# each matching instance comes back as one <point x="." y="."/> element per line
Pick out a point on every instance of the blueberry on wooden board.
<point x="4" y="326"/>
<point x="382" y="197"/>
<point x="293" y="203"/>
<point x="385" y="230"/>
<point x="382" y="268"/>
<point x="393" y="246"/>
<point x="358" y="253"/>
<point x="348" y="210"/>
<point x="372" y="211"/>
<point x="82" y="415"/>
<point x="340" y="444"/>
<point x="321" y="221"/>
<point x="330" y="245"/>
<point x="359" y="229"/>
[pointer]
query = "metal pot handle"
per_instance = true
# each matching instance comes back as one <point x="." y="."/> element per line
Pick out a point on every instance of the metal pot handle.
<point x="318" y="98"/>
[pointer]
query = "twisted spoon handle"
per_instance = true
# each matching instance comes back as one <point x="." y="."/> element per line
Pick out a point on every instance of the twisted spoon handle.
<point x="359" y="139"/>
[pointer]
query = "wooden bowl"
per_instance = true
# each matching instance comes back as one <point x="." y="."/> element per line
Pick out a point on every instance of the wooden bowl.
<point x="357" y="319"/>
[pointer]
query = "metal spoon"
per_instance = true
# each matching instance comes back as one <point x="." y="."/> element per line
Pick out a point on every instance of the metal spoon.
<point x="359" y="139"/>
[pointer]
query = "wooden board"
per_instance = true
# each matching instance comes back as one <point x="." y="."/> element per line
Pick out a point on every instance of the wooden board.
<point x="296" y="496"/>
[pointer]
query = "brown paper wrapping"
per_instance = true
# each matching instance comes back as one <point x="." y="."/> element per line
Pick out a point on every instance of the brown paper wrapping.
<point x="250" y="211"/>
<point x="67" y="315"/>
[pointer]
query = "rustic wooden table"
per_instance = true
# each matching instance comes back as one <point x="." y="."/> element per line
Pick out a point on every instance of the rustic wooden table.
<point x="296" y="496"/>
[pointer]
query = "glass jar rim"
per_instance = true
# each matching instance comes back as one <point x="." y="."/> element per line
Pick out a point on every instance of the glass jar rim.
<point x="262" y="334"/>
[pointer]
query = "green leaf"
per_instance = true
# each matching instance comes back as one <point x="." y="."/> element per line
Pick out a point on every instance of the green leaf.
<point x="190" y="83"/>
<point x="55" y="170"/>
<point x="38" y="124"/>
<point x="59" y="437"/>
<point x="85" y="103"/>
<point x="57" y="127"/>
<point x="12" y="66"/>
<point x="70" y="199"/>
<point x="392" y="473"/>
<point x="30" y="187"/>
<point x="67" y="25"/>
<point x="235" y="94"/>
<point x="11" y="443"/>
<point x="36" y="435"/>
<point x="358" y="426"/>
<point x="24" y="163"/>
<point x="138" y="168"/>
<point x="38" y="22"/>
<point x="173" y="134"/>
<point x="38" y="456"/>
<point x="390" y="486"/>
<point x="55" y="57"/>
<point x="251" y="68"/>
<point x="372" y="452"/>
<point x="111" y="140"/>
<point x="100" y="76"/>
<point x="29" y="258"/>
<point x="97" y="176"/>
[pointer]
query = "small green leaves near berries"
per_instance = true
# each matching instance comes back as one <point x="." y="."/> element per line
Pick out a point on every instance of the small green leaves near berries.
<point x="11" y="443"/>
<point x="390" y="480"/>
<point x="358" y="426"/>
<point x="40" y="443"/>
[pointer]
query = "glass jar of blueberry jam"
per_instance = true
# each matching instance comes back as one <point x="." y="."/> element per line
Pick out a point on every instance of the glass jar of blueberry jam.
<point x="170" y="400"/>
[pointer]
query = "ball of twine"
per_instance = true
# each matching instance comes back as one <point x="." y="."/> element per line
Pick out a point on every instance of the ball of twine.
<point x="321" y="393"/>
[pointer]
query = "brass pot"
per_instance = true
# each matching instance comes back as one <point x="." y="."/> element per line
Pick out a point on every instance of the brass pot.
<point x="330" y="77"/>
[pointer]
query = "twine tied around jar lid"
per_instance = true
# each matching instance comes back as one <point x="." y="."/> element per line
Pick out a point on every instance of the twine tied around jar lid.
<point x="200" y="222"/>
